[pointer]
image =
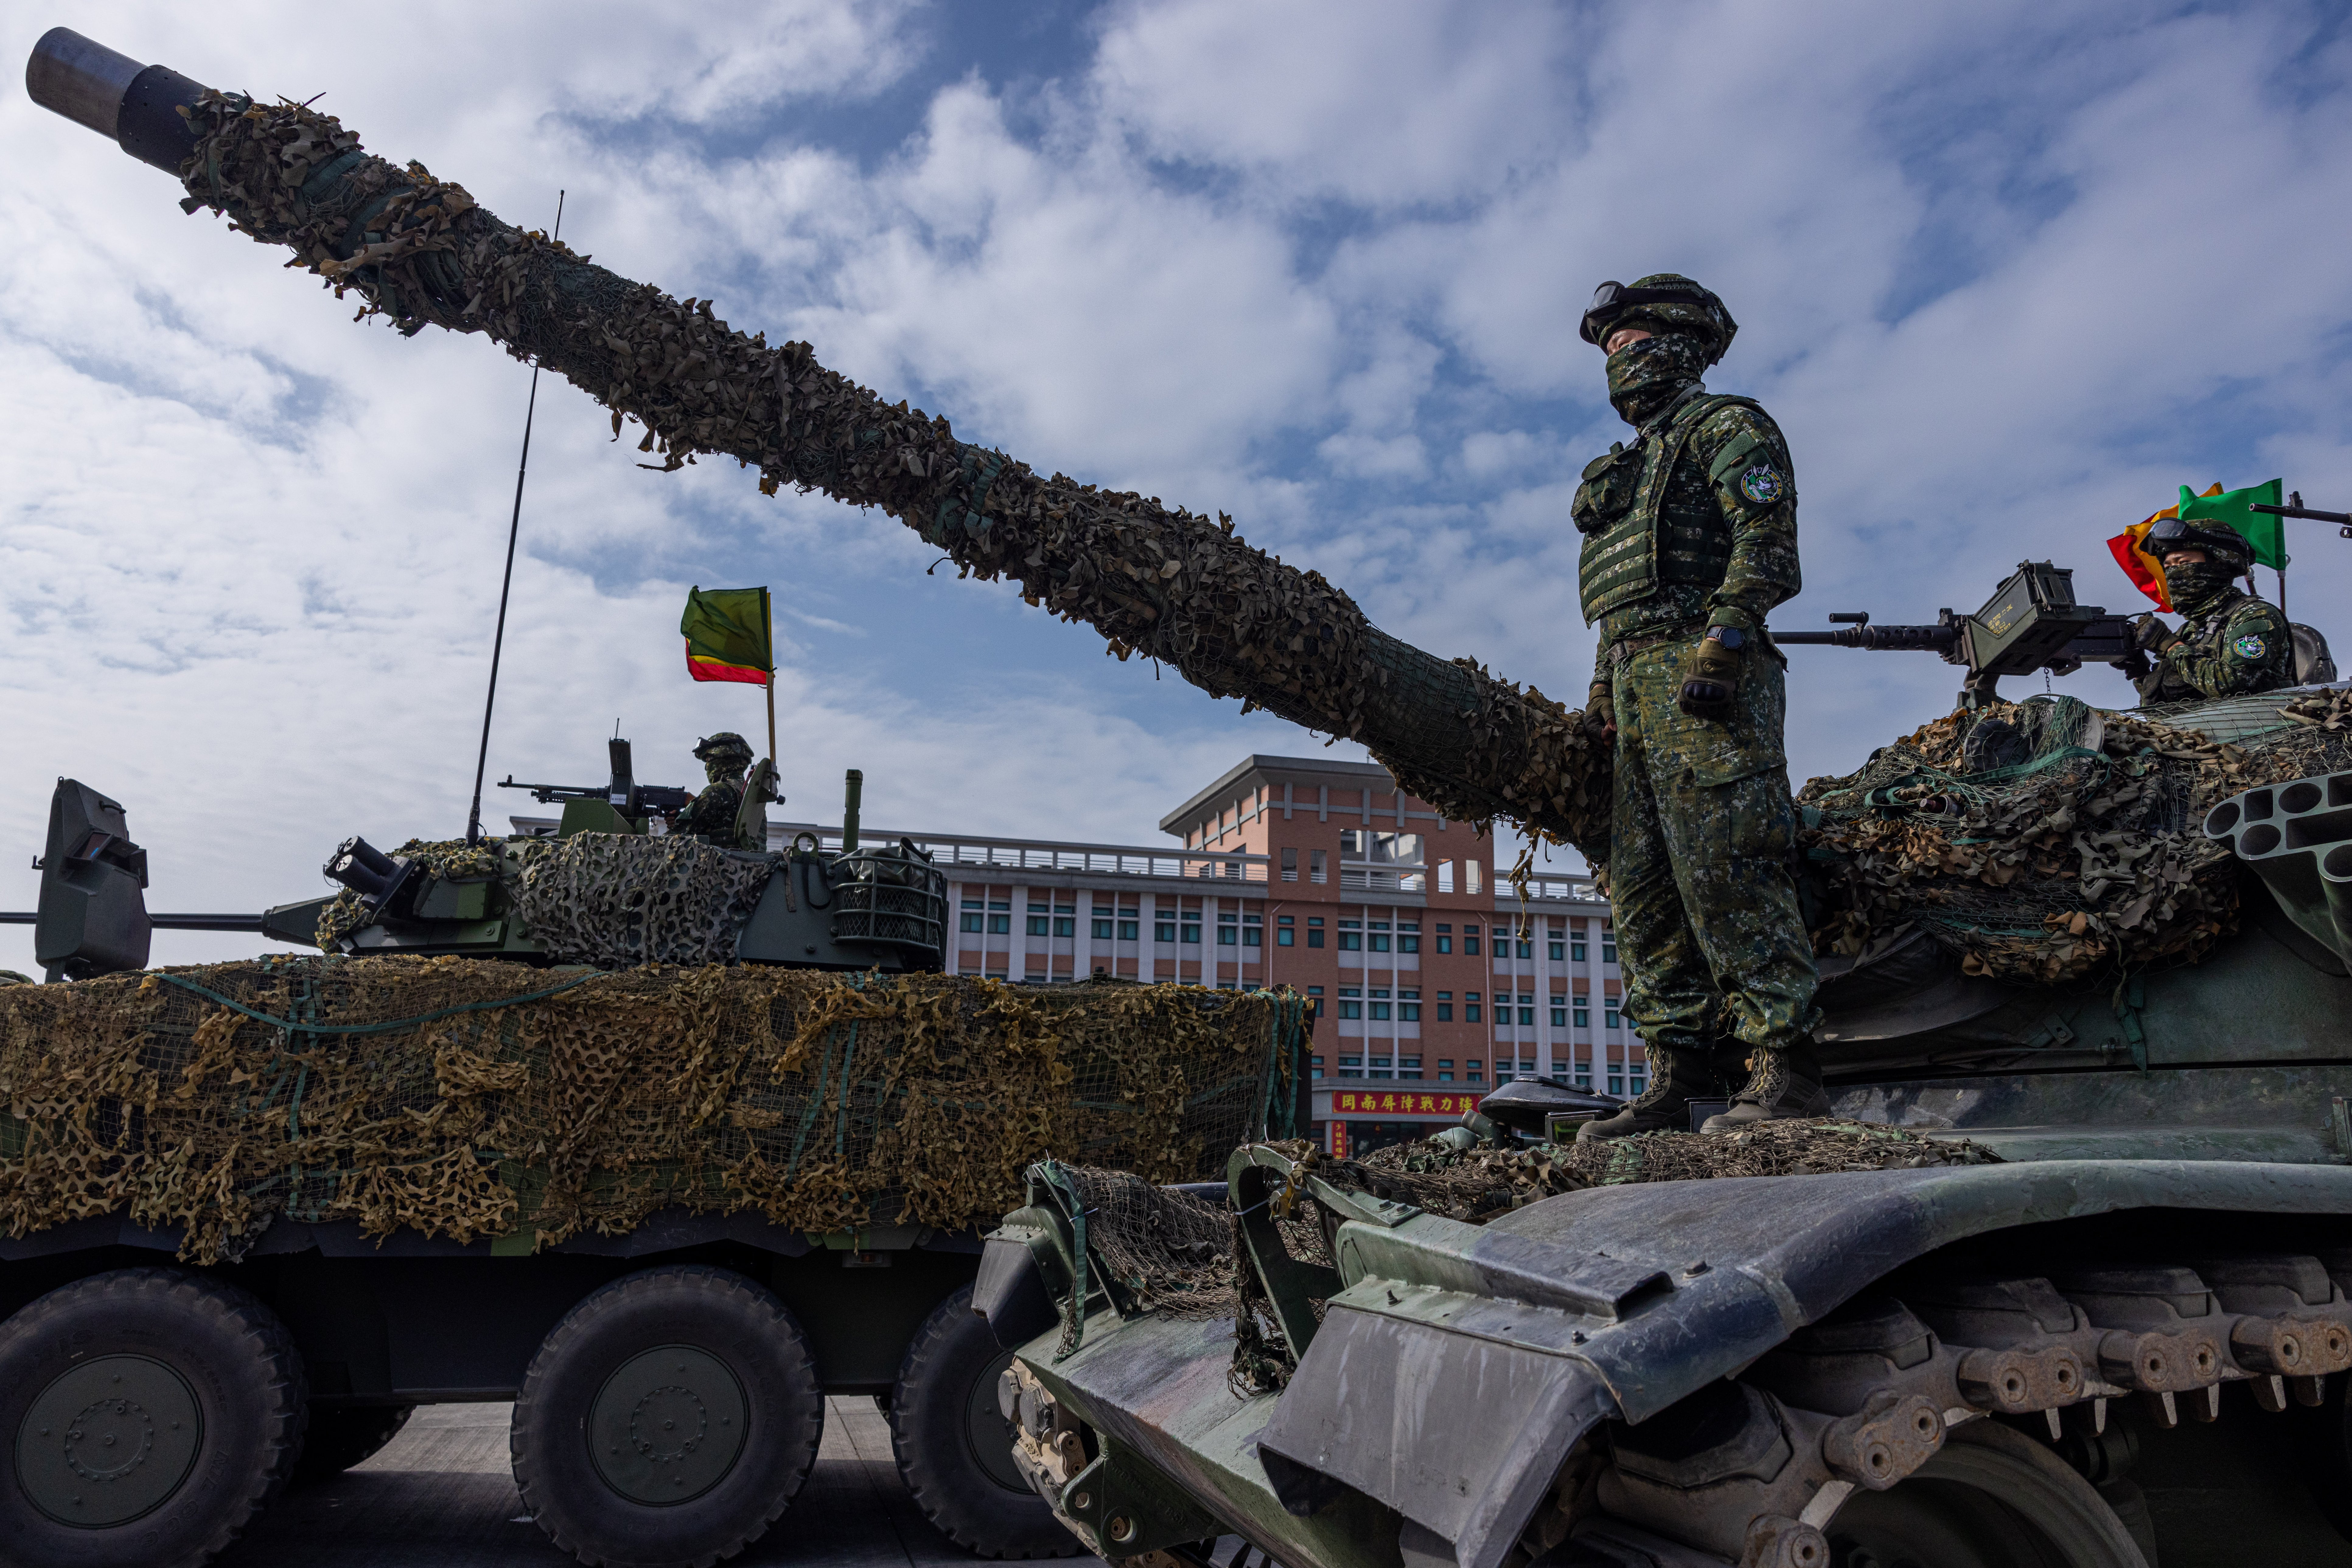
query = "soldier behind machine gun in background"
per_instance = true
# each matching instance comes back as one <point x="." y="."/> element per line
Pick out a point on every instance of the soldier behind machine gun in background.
<point x="729" y="812"/>
<point x="2229" y="642"/>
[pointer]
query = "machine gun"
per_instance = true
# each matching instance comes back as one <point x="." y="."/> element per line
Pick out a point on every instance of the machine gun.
<point x="619" y="806"/>
<point x="2031" y="623"/>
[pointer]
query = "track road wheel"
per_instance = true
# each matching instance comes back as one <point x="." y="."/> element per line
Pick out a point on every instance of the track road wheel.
<point x="341" y="1435"/>
<point x="667" y="1420"/>
<point x="955" y="1449"/>
<point x="1991" y="1497"/>
<point x="150" y="1413"/>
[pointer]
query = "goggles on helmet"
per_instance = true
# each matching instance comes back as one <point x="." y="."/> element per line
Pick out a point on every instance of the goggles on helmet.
<point x="2169" y="534"/>
<point x="1613" y="299"/>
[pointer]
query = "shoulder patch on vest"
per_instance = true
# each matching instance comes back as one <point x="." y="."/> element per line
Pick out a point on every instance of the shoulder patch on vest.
<point x="1763" y="485"/>
<point x="2251" y="647"/>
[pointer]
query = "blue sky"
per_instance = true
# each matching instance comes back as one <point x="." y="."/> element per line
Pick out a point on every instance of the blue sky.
<point x="2007" y="275"/>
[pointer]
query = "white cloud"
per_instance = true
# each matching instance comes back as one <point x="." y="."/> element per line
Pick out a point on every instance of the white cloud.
<point x="2007" y="275"/>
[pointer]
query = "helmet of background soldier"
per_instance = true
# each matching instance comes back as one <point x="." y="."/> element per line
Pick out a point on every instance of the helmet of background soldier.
<point x="727" y="745"/>
<point x="1661" y="302"/>
<point x="2216" y="539"/>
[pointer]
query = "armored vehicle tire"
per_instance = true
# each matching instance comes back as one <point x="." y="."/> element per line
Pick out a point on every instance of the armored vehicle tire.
<point x="955" y="1448"/>
<point x="1991" y="1497"/>
<point x="667" y="1420"/>
<point x="150" y="1413"/>
<point x="341" y="1435"/>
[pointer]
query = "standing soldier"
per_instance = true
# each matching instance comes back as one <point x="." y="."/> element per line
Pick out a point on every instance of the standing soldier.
<point x="2229" y="642"/>
<point x="1690" y="539"/>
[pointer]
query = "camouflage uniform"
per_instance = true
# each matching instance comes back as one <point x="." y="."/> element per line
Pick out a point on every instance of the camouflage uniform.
<point x="1691" y="526"/>
<point x="711" y="815"/>
<point x="2231" y="643"/>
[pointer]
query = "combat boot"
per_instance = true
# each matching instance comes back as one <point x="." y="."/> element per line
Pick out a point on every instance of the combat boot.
<point x="1783" y="1082"/>
<point x="1678" y="1075"/>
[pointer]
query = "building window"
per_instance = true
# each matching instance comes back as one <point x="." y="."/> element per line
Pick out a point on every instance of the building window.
<point x="1315" y="1065"/>
<point x="1000" y="917"/>
<point x="1473" y="1071"/>
<point x="1379" y="1004"/>
<point x="1315" y="872"/>
<point x="1469" y="1007"/>
<point x="1041" y="922"/>
<point x="1229" y="934"/>
<point x="1608" y="947"/>
<point x="1616" y="1083"/>
<point x="972" y="916"/>
<point x="1557" y="951"/>
<point x="1253" y="931"/>
<point x="1315" y="930"/>
<point x="1446" y="1007"/>
<point x="1525" y="950"/>
<point x="1583" y="1017"/>
<point x="1351" y="1066"/>
<point x="1379" y="936"/>
<point x="1315" y="1000"/>
<point x="1290" y="865"/>
<point x="1408" y="937"/>
<point x="1408" y="1066"/>
<point x="1576" y="950"/>
<point x="1559" y="1013"/>
<point x="1350" y="1002"/>
<point x="1583" y="1076"/>
<point x="1286" y="932"/>
<point x="1609" y="1018"/>
<point x="1127" y="925"/>
<point x="1526" y="1011"/>
<point x="1380" y="1067"/>
<point x="1066" y="922"/>
<point x="1351" y="936"/>
<point x="1635" y="1082"/>
<point x="1409" y="1006"/>
<point x="1192" y="934"/>
<point x="1102" y="928"/>
<point x="1470" y="941"/>
<point x="1163" y="928"/>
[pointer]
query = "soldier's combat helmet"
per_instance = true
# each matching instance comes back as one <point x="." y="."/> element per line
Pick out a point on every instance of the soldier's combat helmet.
<point x="1663" y="303"/>
<point x="727" y="743"/>
<point x="2217" y="539"/>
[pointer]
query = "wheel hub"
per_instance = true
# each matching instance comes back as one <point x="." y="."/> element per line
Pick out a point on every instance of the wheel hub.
<point x="667" y="1425"/>
<point x="108" y="1441"/>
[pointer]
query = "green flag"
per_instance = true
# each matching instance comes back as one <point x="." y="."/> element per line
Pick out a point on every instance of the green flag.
<point x="2261" y="529"/>
<point x="727" y="634"/>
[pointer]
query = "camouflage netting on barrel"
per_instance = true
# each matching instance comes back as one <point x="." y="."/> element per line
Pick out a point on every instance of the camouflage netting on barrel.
<point x="468" y="1097"/>
<point x="1159" y="581"/>
<point x="616" y="900"/>
<point x="1175" y="1253"/>
<point x="2046" y="841"/>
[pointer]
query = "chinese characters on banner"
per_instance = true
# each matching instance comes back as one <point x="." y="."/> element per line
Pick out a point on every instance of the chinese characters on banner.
<point x="1406" y="1102"/>
<point x="1338" y="1129"/>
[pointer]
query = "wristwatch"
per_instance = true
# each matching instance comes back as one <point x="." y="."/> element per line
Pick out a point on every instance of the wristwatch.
<point x="1730" y="637"/>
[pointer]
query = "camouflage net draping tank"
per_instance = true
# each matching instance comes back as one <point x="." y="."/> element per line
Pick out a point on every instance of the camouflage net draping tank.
<point x="2085" y="858"/>
<point x="467" y="1097"/>
<point x="1158" y="581"/>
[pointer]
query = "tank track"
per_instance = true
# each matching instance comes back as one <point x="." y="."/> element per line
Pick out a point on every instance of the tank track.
<point x="1754" y="1470"/>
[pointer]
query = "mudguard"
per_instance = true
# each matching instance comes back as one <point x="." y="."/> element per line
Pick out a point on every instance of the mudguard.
<point x="1458" y="1364"/>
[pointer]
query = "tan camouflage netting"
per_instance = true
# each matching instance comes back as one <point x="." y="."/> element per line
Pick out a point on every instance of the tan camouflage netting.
<point x="508" y="1098"/>
<point x="1158" y="581"/>
<point x="2089" y="859"/>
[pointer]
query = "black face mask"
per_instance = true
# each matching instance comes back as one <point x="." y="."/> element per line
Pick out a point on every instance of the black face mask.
<point x="2195" y="585"/>
<point x="1644" y="377"/>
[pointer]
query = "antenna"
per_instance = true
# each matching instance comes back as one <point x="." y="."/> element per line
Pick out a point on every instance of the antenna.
<point x="506" y="583"/>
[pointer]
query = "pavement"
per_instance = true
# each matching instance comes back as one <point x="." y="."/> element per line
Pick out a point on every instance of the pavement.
<point x="440" y="1495"/>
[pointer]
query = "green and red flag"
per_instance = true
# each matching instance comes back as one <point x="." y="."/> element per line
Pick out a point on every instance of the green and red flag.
<point x="2261" y="531"/>
<point x="728" y="635"/>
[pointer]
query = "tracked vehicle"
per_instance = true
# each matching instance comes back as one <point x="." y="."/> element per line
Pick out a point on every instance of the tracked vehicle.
<point x="1945" y="1367"/>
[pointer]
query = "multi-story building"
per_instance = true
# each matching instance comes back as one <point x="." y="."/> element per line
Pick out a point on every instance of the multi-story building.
<point x="1431" y="981"/>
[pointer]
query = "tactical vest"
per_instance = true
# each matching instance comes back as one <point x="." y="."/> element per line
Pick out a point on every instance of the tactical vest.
<point x="1641" y="530"/>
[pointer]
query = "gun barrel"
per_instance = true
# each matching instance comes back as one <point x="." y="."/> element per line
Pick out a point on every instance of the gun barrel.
<point x="1884" y="638"/>
<point x="114" y="95"/>
<point x="2312" y="512"/>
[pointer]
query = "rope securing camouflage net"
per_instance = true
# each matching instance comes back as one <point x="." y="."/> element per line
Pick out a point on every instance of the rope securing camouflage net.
<point x="1153" y="580"/>
<point x="468" y="1097"/>
<point x="2090" y="854"/>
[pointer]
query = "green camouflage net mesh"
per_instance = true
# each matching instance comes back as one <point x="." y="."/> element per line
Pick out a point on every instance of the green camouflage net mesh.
<point x="468" y="1097"/>
<point x="2086" y="856"/>
<point x="1158" y="581"/>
